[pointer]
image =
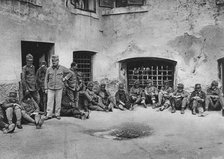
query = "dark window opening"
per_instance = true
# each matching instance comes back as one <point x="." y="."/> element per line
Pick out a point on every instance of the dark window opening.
<point x="86" y="5"/>
<point x="39" y="50"/>
<point x="158" y="70"/>
<point x="84" y="61"/>
<point x="125" y="3"/>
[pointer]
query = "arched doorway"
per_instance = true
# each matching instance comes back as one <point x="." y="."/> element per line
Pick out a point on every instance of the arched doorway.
<point x="142" y="69"/>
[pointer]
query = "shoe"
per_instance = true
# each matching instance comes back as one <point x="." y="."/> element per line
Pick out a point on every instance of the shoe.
<point x="58" y="117"/>
<point x="173" y="110"/>
<point x="11" y="128"/>
<point x="19" y="126"/>
<point x="5" y="131"/>
<point x="162" y="108"/>
<point x="193" y="112"/>
<point x="83" y="117"/>
<point x="38" y="126"/>
<point x="222" y="112"/>
<point x="47" y="117"/>
<point x="182" y="111"/>
<point x="40" y="123"/>
<point x="144" y="105"/>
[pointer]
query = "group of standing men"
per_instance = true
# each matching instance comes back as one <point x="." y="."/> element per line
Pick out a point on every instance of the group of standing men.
<point x="64" y="89"/>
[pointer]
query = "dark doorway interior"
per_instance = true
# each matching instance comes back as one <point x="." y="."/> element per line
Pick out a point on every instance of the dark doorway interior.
<point x="156" y="69"/>
<point x="39" y="50"/>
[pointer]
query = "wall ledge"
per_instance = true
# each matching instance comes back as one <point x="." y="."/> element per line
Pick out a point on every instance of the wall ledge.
<point x="125" y="10"/>
<point x="84" y="13"/>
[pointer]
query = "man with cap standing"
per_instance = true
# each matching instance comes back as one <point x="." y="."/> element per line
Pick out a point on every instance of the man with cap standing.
<point x="40" y="75"/>
<point x="29" y="79"/>
<point x="54" y="83"/>
<point x="214" y="98"/>
<point x="11" y="106"/>
<point x="179" y="99"/>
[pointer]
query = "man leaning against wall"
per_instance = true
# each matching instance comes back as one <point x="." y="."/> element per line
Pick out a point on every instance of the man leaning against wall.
<point x="54" y="83"/>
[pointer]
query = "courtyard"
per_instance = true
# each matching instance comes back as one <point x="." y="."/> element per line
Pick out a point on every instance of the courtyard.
<point x="172" y="136"/>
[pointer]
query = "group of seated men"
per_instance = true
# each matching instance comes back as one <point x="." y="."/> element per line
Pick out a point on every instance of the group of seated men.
<point x="179" y="99"/>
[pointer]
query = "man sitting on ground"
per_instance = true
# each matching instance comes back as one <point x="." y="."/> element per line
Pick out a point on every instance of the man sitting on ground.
<point x="6" y="128"/>
<point x="122" y="100"/>
<point x="70" y="108"/>
<point x="106" y="98"/>
<point x="151" y="94"/>
<point x="137" y="95"/>
<point x="179" y="99"/>
<point x="164" y="96"/>
<point x="31" y="111"/>
<point x="92" y="100"/>
<point x="11" y="107"/>
<point x="214" y="99"/>
<point x="197" y="100"/>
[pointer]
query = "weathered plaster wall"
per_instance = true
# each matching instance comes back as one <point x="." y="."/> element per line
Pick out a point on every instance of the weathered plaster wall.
<point x="53" y="22"/>
<point x="190" y="32"/>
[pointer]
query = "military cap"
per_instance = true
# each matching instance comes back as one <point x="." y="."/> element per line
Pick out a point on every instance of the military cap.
<point x="29" y="57"/>
<point x="103" y="84"/>
<point x="136" y="82"/>
<point x="180" y="85"/>
<point x="90" y="84"/>
<point x="43" y="62"/>
<point x="149" y="81"/>
<point x="13" y="94"/>
<point x="55" y="57"/>
<point x="214" y="83"/>
<point x="121" y="85"/>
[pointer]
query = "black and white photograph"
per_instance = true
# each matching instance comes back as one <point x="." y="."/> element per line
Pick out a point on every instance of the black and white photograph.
<point x="112" y="79"/>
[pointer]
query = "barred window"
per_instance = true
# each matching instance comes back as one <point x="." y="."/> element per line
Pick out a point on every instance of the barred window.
<point x="125" y="3"/>
<point x="84" y="61"/>
<point x="86" y="5"/>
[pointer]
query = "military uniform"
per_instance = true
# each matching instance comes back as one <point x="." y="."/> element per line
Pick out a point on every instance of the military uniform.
<point x="11" y="106"/>
<point x="30" y="111"/>
<point x="122" y="99"/>
<point x="179" y="99"/>
<point x="136" y="94"/>
<point x="151" y="94"/>
<point x="164" y="97"/>
<point x="197" y="101"/>
<point x="29" y="80"/>
<point x="69" y="107"/>
<point x="92" y="100"/>
<point x="40" y="75"/>
<point x="214" y="99"/>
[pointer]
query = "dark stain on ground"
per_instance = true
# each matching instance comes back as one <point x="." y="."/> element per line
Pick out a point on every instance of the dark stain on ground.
<point x="124" y="131"/>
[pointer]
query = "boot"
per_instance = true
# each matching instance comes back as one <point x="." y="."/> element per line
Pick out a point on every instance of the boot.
<point x="173" y="110"/>
<point x="194" y="111"/>
<point x="182" y="111"/>
<point x="11" y="128"/>
<point x="143" y="103"/>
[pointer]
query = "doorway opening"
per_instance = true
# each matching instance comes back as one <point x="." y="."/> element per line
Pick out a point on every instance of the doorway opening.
<point x="40" y="51"/>
<point x="156" y="69"/>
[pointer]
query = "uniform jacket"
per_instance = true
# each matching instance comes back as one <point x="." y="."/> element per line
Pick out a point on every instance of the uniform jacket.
<point x="9" y="101"/>
<point x="211" y="91"/>
<point x="54" y="77"/>
<point x="183" y="93"/>
<point x="40" y="75"/>
<point x="29" y="78"/>
<point x="200" y="94"/>
<point x="121" y="95"/>
<point x="30" y="106"/>
<point x="72" y="82"/>
<point x="150" y="90"/>
<point x="136" y="91"/>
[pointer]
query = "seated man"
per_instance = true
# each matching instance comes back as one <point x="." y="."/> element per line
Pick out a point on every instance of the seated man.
<point x="137" y="95"/>
<point x="214" y="99"/>
<point x="11" y="106"/>
<point x="179" y="99"/>
<point x="164" y="96"/>
<point x="151" y="93"/>
<point x="6" y="128"/>
<point x="122" y="100"/>
<point x="70" y="108"/>
<point x="106" y="98"/>
<point x="30" y="111"/>
<point x="92" y="101"/>
<point x="197" y="100"/>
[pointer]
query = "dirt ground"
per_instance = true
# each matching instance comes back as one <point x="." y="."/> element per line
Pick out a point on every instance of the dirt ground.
<point x="174" y="136"/>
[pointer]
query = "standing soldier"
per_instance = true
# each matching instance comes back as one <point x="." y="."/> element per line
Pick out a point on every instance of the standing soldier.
<point x="29" y="79"/>
<point x="197" y="100"/>
<point x="214" y="99"/>
<point x="41" y="72"/>
<point x="179" y="99"/>
<point x="55" y="76"/>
